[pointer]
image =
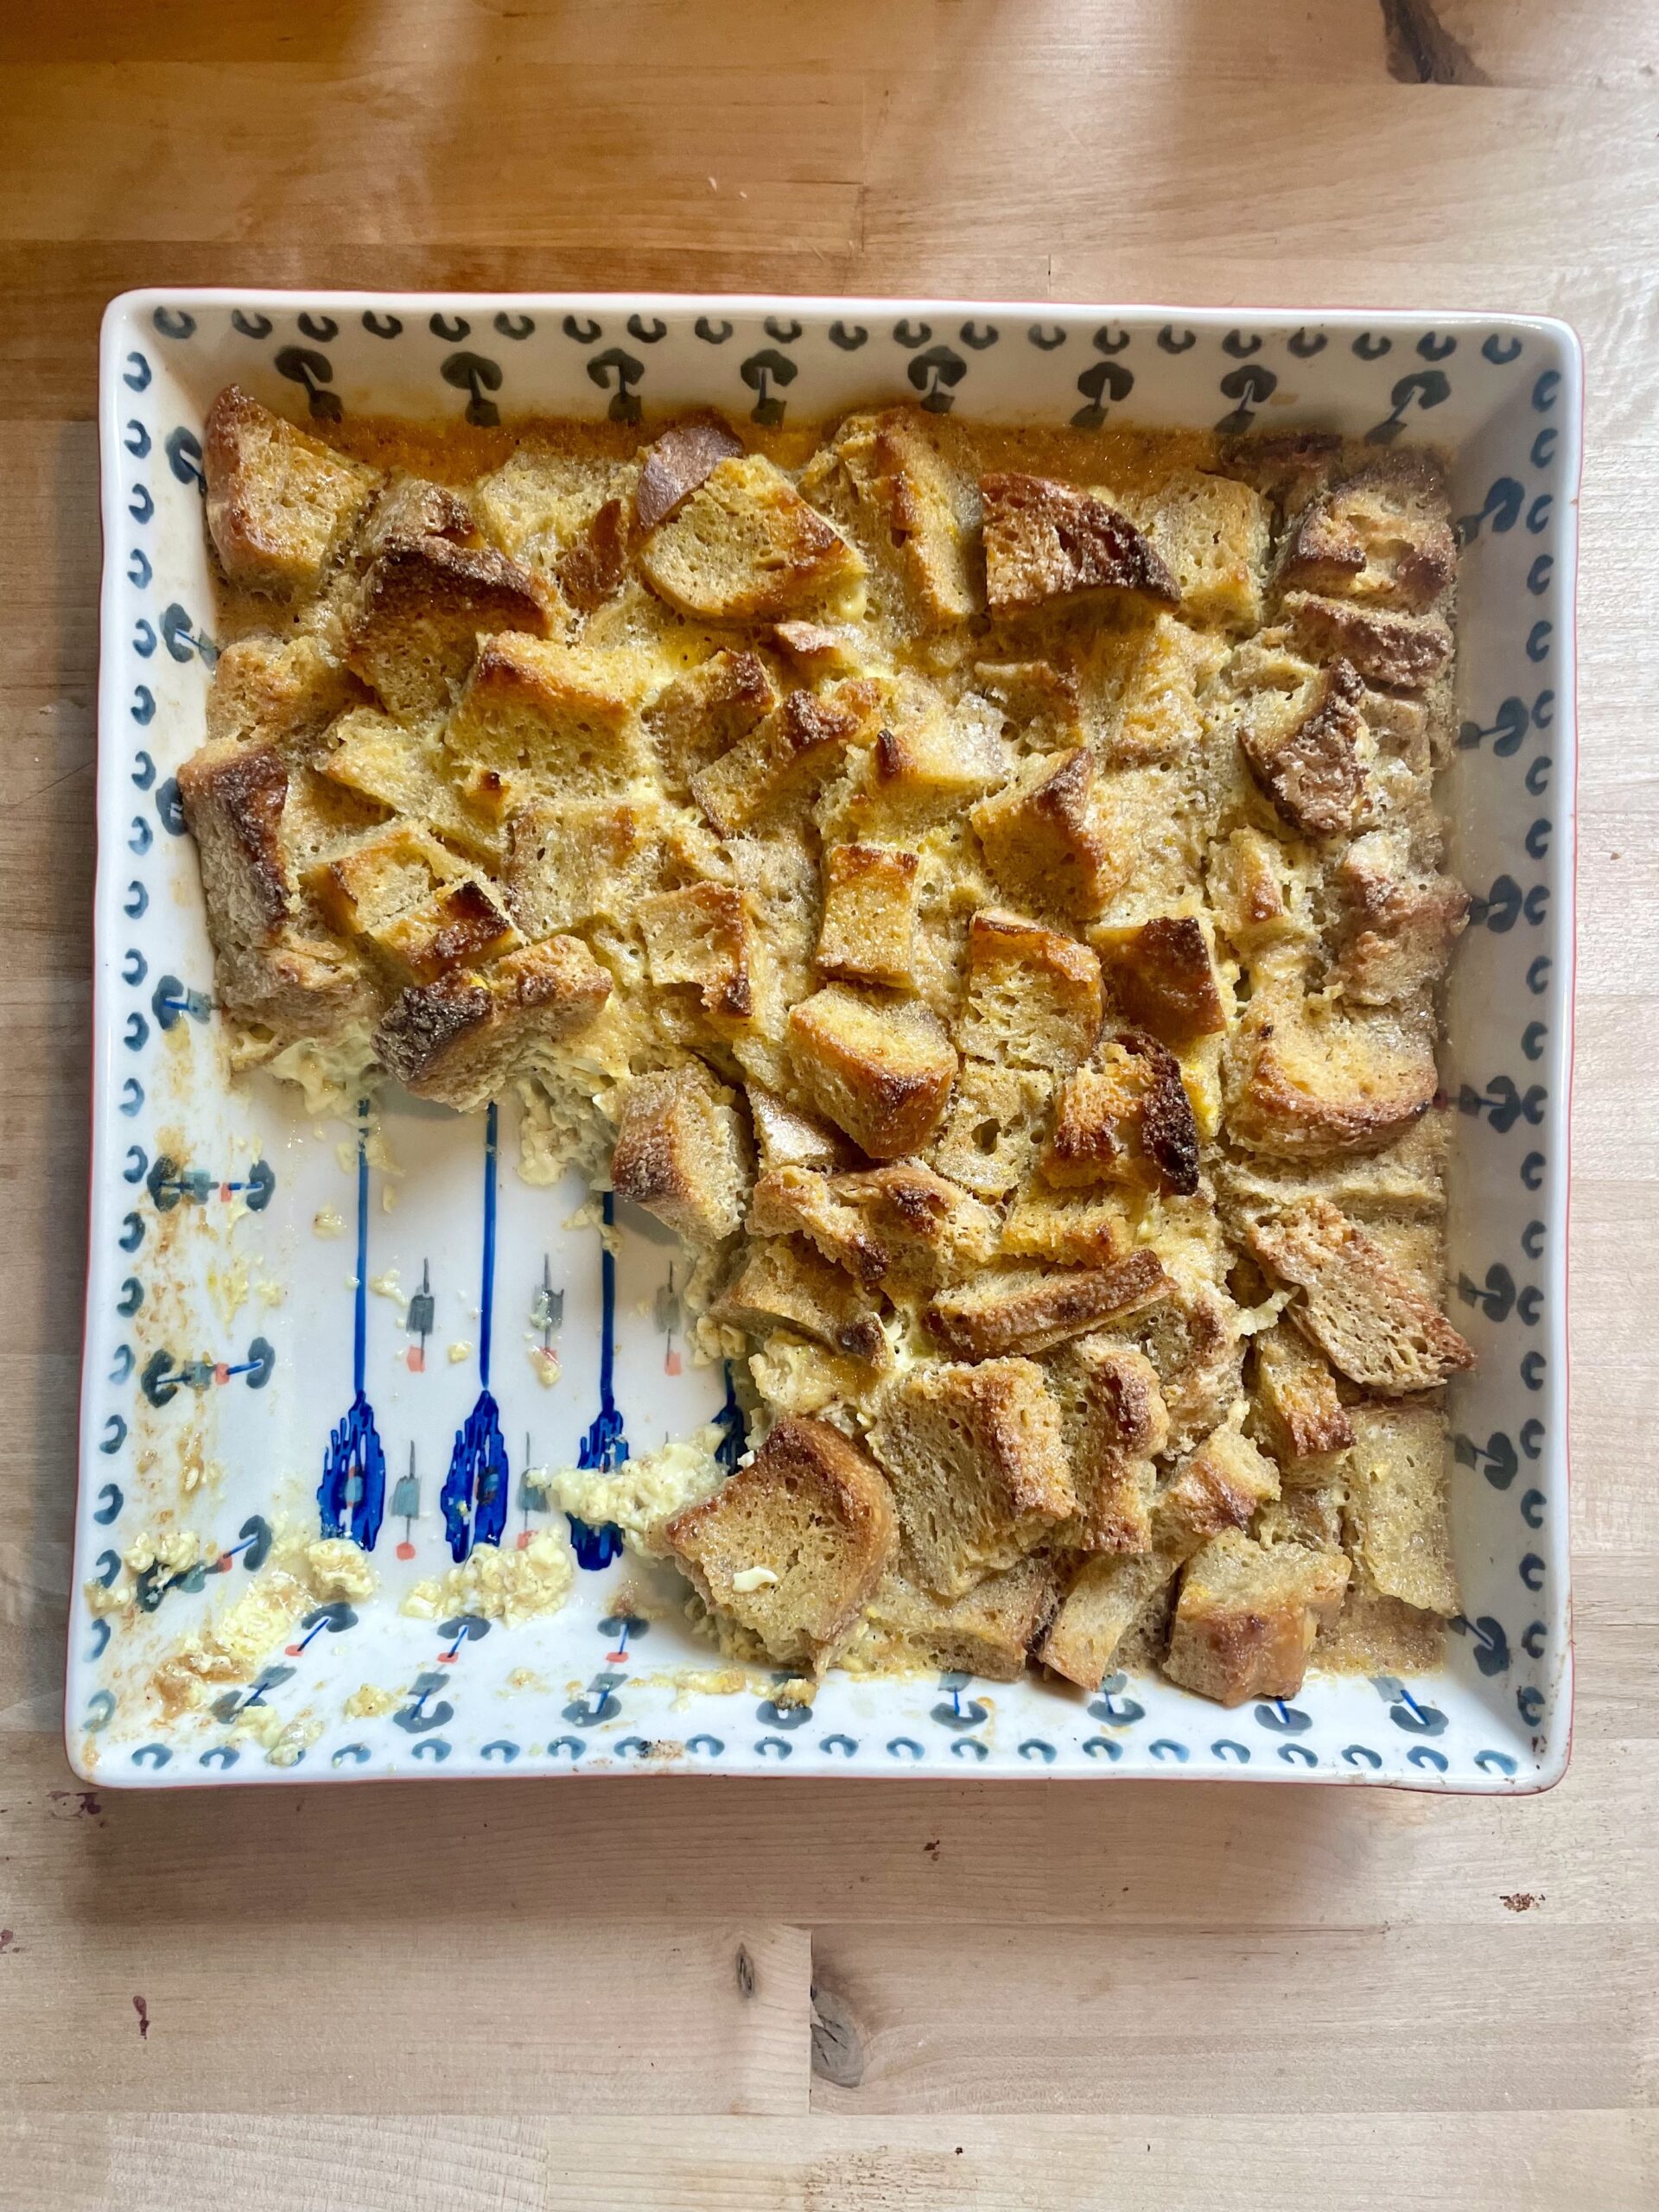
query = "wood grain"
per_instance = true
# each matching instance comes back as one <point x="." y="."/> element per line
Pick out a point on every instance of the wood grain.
<point x="1045" y="1995"/>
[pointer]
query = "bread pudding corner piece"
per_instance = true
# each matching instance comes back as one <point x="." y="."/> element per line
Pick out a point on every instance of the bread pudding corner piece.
<point x="462" y="1038"/>
<point x="1033" y="997"/>
<point x="556" y="717"/>
<point x="1046" y="541"/>
<point x="746" y="547"/>
<point x="1382" y="536"/>
<point x="881" y="1070"/>
<point x="1213" y="533"/>
<point x="988" y="1632"/>
<point x="976" y="1457"/>
<point x="792" y="1544"/>
<point x="1307" y="1078"/>
<point x="280" y="504"/>
<point x="1398" y="1527"/>
<point x="1247" y="1616"/>
<point x="681" y="1153"/>
<point x="909" y="472"/>
<point x="1025" y="1310"/>
<point x="1052" y="838"/>
<point x="1115" y="1423"/>
<point x="1125" y="1118"/>
<point x="1372" y="1322"/>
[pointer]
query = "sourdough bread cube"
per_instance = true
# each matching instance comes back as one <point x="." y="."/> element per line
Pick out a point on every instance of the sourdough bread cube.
<point x="1213" y="534"/>
<point x="405" y="770"/>
<point x="361" y="885"/>
<point x="996" y="1120"/>
<point x="1370" y="1321"/>
<point x="1262" y="892"/>
<point x="680" y="1153"/>
<point x="1383" y="536"/>
<point x="1162" y="977"/>
<point x="1115" y="1423"/>
<point x="785" y="1136"/>
<point x="1071" y="1229"/>
<point x="1310" y="754"/>
<point x="562" y="717"/>
<point x="902" y="1227"/>
<point x="868" y="930"/>
<point x="1306" y="1079"/>
<point x="1046" y="541"/>
<point x="926" y="765"/>
<point x="1051" y="838"/>
<point x="705" y="936"/>
<point x="234" y="797"/>
<point x="821" y="649"/>
<point x="1398" y="1527"/>
<point x="684" y="456"/>
<point x="1027" y="1310"/>
<point x="462" y="1038"/>
<point x="1247" y="1616"/>
<point x="461" y="924"/>
<point x="280" y="505"/>
<point x="572" y="862"/>
<point x="988" y="1632"/>
<point x="1403" y="652"/>
<point x="881" y="1071"/>
<point x="1126" y="1118"/>
<point x="1107" y="1597"/>
<point x="977" y="1459"/>
<point x="785" y="1282"/>
<point x="1156" y="714"/>
<point x="1222" y="1484"/>
<point x="1399" y="922"/>
<point x="706" y="711"/>
<point x="1191" y="1338"/>
<point x="781" y="762"/>
<point x="1311" y="1517"/>
<point x="279" y="691"/>
<point x="1406" y="1179"/>
<point x="424" y="604"/>
<point x="1302" y="1419"/>
<point x="543" y="501"/>
<point x="1034" y="997"/>
<point x="915" y="489"/>
<point x="792" y="1544"/>
<point x="744" y="547"/>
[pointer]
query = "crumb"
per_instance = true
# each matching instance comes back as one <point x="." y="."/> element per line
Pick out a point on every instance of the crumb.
<point x="327" y="1222"/>
<point x="459" y="1351"/>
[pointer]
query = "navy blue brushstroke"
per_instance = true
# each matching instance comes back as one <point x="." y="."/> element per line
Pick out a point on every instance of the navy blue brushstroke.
<point x="474" y="1494"/>
<point x="604" y="1446"/>
<point x="729" y="1419"/>
<point x="353" y="1485"/>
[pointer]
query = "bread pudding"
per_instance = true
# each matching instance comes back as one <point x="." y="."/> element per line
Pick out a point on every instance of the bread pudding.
<point x="981" y="890"/>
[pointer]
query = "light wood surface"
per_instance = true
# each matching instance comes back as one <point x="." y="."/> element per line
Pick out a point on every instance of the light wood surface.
<point x="523" y="1995"/>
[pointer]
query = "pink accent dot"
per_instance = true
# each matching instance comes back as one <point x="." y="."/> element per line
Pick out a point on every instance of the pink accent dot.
<point x="405" y="1550"/>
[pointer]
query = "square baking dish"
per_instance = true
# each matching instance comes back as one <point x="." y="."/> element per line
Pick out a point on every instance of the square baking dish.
<point x="226" y="1339"/>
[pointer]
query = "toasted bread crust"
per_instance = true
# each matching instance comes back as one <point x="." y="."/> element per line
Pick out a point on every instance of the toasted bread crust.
<point x="1024" y="1312"/>
<point x="1047" y="541"/>
<point x="1369" y="1319"/>
<point x="1313" y="772"/>
<point x="685" y="455"/>
<point x="1162" y="974"/>
<point x="1405" y="649"/>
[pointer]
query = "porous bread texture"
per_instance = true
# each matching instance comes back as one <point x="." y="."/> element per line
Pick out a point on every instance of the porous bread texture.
<point x="981" y="891"/>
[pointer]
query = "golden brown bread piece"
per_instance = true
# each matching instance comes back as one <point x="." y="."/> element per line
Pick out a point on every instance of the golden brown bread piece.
<point x="780" y="760"/>
<point x="1046" y="541"/>
<point x="1367" y="1317"/>
<point x="1308" y="1080"/>
<point x="1034" y="997"/>
<point x="1084" y="1228"/>
<point x="280" y="505"/>
<point x="786" y="1282"/>
<point x="573" y="862"/>
<point x="1052" y="841"/>
<point x="1212" y="532"/>
<point x="562" y="717"/>
<point x="706" y="710"/>
<point x="280" y="691"/>
<point x="881" y="1071"/>
<point x="1399" y="923"/>
<point x="897" y="462"/>
<point x="406" y="770"/>
<point x="988" y="1632"/>
<point x="234" y="797"/>
<point x="1115" y="1423"/>
<point x="791" y="1546"/>
<point x="1404" y="649"/>
<point x="1247" y="1616"/>
<point x="1301" y="1417"/>
<point x="425" y="603"/>
<point x="744" y="547"/>
<point x="924" y="767"/>
<point x="868" y="930"/>
<point x="1041" y="699"/>
<point x="977" y="1462"/>
<point x="1191" y="1338"/>
<point x="1125" y="1118"/>
<point x="900" y="1226"/>
<point x="785" y="1136"/>
<point x="680" y="1153"/>
<point x="1105" y="1598"/>
<point x="1029" y="1309"/>
<point x="995" y="1122"/>
<point x="703" y="936"/>
<point x="684" y="456"/>
<point x="1405" y="1179"/>
<point x="1162" y="976"/>
<point x="460" y="1040"/>
<point x="1310" y="763"/>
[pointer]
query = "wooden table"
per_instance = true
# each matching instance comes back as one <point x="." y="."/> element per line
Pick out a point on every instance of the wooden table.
<point x="523" y="1994"/>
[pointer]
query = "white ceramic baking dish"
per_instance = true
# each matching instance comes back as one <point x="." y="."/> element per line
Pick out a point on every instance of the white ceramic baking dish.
<point x="220" y="1348"/>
